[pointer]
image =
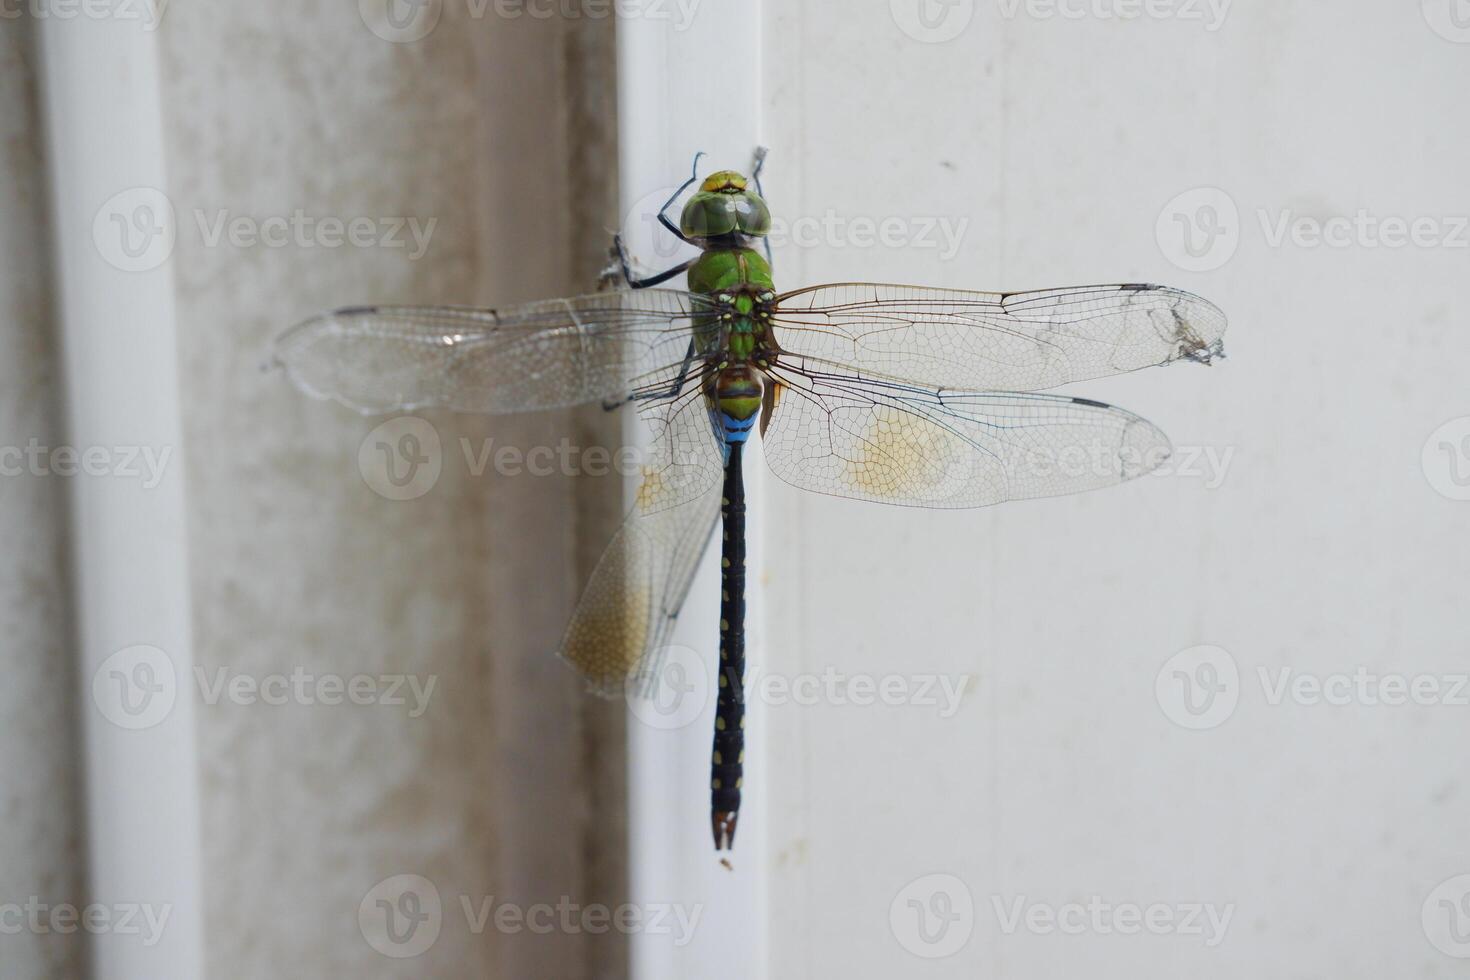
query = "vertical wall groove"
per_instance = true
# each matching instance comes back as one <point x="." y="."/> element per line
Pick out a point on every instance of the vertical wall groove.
<point x="41" y="852"/>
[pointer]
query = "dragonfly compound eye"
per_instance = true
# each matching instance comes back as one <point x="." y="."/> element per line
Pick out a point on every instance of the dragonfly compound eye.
<point x="713" y="213"/>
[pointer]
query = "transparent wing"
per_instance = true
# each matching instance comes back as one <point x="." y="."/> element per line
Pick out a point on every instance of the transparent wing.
<point x="685" y="456"/>
<point x="951" y="338"/>
<point x="902" y="444"/>
<point x="543" y="355"/>
<point x="621" y="623"/>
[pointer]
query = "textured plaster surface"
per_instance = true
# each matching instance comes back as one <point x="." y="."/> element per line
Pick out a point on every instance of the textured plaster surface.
<point x="40" y="851"/>
<point x="502" y="789"/>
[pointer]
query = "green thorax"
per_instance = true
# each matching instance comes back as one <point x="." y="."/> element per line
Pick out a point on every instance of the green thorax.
<point x="734" y="279"/>
<point x="729" y="269"/>
<point x="737" y="280"/>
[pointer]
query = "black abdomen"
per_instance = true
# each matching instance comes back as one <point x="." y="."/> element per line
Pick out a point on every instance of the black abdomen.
<point x="728" y="757"/>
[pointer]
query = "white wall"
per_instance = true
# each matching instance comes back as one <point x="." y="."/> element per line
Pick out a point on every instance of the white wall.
<point x="1325" y="548"/>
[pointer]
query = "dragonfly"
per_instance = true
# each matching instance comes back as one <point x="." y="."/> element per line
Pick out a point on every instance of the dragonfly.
<point x="908" y="395"/>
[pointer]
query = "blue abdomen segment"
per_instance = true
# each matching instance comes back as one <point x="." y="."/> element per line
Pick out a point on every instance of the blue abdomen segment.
<point x="737" y="430"/>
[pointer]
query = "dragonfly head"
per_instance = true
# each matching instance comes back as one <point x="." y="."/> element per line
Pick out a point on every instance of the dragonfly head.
<point x="725" y="205"/>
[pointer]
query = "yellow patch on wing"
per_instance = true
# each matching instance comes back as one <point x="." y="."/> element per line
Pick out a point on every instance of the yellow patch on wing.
<point x="899" y="456"/>
<point x="606" y="643"/>
<point x="653" y="491"/>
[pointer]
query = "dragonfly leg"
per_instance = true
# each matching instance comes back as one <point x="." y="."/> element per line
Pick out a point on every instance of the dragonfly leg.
<point x="623" y="266"/>
<point x="759" y="164"/>
<point x="626" y="268"/>
<point x="663" y="215"/>
<point x="755" y="177"/>
<point x="675" y="386"/>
